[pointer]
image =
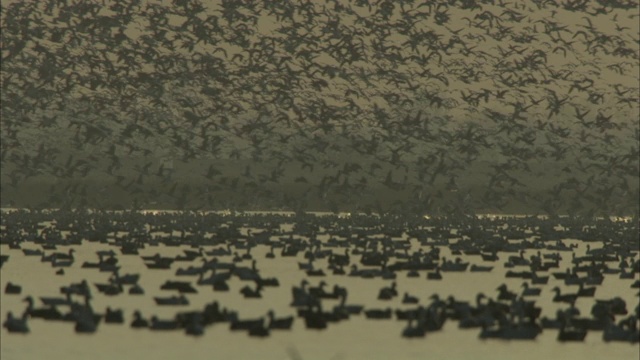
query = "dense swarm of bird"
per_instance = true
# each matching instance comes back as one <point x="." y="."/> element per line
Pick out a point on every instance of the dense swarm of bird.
<point x="444" y="106"/>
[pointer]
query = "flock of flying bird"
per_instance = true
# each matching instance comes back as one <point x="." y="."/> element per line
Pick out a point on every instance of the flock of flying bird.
<point x="366" y="247"/>
<point x="444" y="106"/>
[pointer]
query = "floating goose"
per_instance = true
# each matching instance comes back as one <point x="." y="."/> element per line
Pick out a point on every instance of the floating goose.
<point x="16" y="325"/>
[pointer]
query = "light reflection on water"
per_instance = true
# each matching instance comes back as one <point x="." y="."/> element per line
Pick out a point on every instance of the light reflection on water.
<point x="357" y="338"/>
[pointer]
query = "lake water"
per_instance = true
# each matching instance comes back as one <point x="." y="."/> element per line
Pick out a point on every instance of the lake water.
<point x="356" y="338"/>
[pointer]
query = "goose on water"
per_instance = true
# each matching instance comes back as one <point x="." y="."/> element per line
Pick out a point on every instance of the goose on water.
<point x="301" y="297"/>
<point x="505" y="294"/>
<point x="139" y="321"/>
<point x="378" y="313"/>
<point x="625" y="331"/>
<point x="58" y="256"/>
<point x="530" y="291"/>
<point x="414" y="331"/>
<point x="184" y="287"/>
<point x="220" y="251"/>
<point x="566" y="298"/>
<point x="281" y="323"/>
<point x="61" y="263"/>
<point x="408" y="299"/>
<point x="480" y="268"/>
<point x="127" y="279"/>
<point x="436" y="275"/>
<point x="510" y="331"/>
<point x="85" y="325"/>
<point x="457" y="266"/>
<point x="343" y="306"/>
<point x="16" y="325"/>
<point x="48" y="313"/>
<point x="337" y="269"/>
<point x="315" y="272"/>
<point x="538" y="280"/>
<point x="245" y="324"/>
<point x="32" y="252"/>
<point x="55" y="301"/>
<point x="157" y="324"/>
<point x="172" y="300"/>
<point x="250" y="293"/>
<point x="318" y="291"/>
<point x="220" y="285"/>
<point x="113" y="316"/>
<point x="271" y="254"/>
<point x="110" y="289"/>
<point x="136" y="290"/>
<point x="586" y="291"/>
<point x="569" y="332"/>
<point x="554" y="323"/>
<point x="387" y="293"/>
<point x="519" y="260"/>
<point x="194" y="328"/>
<point x="81" y="288"/>
<point x="260" y="330"/>
<point x="12" y="289"/>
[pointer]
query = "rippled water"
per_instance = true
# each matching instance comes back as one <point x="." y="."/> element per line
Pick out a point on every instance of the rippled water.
<point x="357" y="338"/>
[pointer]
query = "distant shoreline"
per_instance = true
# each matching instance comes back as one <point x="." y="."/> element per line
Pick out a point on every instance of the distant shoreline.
<point x="317" y="213"/>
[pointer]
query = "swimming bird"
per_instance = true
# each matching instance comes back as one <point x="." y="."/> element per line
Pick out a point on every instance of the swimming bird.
<point x="246" y="324"/>
<point x="85" y="324"/>
<point x="343" y="294"/>
<point x="625" y="331"/>
<point x="126" y="279"/>
<point x="250" y="293"/>
<point x="113" y="316"/>
<point x="32" y="252"/>
<point x="505" y="294"/>
<point x="387" y="293"/>
<point x="414" y="331"/>
<point x="12" y="289"/>
<point x="195" y="325"/>
<point x="271" y="254"/>
<point x="138" y="321"/>
<point x="172" y="300"/>
<point x="136" y="290"/>
<point x="260" y="330"/>
<point x="529" y="291"/>
<point x="48" y="313"/>
<point x="16" y="325"/>
<point x="378" y="313"/>
<point x="110" y="289"/>
<point x="184" y="287"/>
<point x="55" y="301"/>
<point x="436" y="275"/>
<point x="315" y="319"/>
<point x="586" y="291"/>
<point x="408" y="299"/>
<point x="220" y="285"/>
<point x="566" y="298"/>
<point x="281" y="323"/>
<point x="318" y="291"/>
<point x="568" y="332"/>
<point x="162" y="325"/>
<point x="62" y="263"/>
<point x="480" y="268"/>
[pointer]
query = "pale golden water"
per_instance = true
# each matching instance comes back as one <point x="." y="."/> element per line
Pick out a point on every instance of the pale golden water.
<point x="357" y="338"/>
